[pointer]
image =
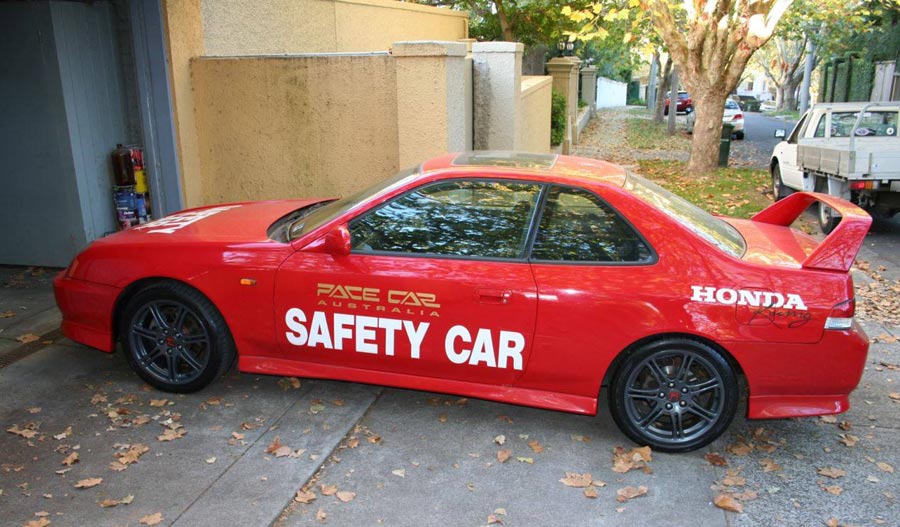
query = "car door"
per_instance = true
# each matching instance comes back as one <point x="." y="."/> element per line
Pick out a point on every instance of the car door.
<point x="436" y="285"/>
<point x="786" y="152"/>
<point x="596" y="279"/>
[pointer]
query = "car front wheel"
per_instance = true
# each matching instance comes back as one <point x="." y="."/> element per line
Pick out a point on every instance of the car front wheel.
<point x="778" y="189"/>
<point x="175" y="339"/>
<point x="674" y="394"/>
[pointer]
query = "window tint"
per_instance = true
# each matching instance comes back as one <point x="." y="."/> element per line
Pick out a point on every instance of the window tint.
<point x="576" y="226"/>
<point x="458" y="218"/>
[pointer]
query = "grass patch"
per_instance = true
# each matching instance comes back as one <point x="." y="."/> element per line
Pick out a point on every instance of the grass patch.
<point x="790" y="114"/>
<point x="644" y="134"/>
<point x="738" y="192"/>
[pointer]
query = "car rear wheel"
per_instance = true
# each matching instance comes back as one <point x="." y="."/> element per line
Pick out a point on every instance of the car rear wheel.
<point x="175" y="339"/>
<point x="739" y="135"/>
<point x="828" y="220"/>
<point x="674" y="394"/>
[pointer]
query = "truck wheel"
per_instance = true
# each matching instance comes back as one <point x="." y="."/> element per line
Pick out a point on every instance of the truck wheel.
<point x="739" y="135"/>
<point x="778" y="189"/>
<point x="828" y="220"/>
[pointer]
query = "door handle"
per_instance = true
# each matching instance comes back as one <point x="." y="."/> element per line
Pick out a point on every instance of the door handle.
<point x="493" y="296"/>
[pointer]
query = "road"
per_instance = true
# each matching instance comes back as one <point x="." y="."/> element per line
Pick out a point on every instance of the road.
<point x="883" y="241"/>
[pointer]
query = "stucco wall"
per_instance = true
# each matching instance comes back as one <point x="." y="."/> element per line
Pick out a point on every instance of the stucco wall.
<point x="276" y="27"/>
<point x="184" y="31"/>
<point x="534" y="123"/>
<point x="282" y="127"/>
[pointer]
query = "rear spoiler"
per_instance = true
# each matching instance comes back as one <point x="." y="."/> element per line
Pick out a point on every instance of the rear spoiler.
<point x="838" y="250"/>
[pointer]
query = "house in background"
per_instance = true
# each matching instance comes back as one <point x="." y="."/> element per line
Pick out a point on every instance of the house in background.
<point x="238" y="100"/>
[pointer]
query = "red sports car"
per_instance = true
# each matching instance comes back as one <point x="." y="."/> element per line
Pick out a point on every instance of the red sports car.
<point x="522" y="278"/>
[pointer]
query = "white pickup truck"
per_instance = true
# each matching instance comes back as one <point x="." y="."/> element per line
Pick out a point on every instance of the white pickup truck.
<point x="848" y="150"/>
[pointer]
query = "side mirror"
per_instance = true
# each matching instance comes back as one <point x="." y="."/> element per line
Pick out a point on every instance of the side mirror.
<point x="781" y="133"/>
<point x="337" y="242"/>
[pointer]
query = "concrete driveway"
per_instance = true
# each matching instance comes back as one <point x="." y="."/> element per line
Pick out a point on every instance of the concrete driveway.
<point x="364" y="455"/>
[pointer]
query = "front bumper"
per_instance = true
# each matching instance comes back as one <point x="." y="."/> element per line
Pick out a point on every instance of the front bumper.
<point x="87" y="310"/>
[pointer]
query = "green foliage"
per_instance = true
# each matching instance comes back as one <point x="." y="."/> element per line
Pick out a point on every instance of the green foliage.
<point x="636" y="102"/>
<point x="557" y="118"/>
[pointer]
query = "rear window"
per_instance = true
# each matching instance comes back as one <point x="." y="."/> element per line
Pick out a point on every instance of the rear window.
<point x="700" y="222"/>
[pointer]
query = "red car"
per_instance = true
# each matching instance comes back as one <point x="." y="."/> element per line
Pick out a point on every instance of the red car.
<point x="684" y="102"/>
<point x="522" y="278"/>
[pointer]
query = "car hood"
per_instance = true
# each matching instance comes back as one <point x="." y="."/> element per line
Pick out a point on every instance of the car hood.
<point x="773" y="244"/>
<point x="230" y="222"/>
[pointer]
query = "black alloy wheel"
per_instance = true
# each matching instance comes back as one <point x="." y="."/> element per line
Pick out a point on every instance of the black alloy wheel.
<point x="675" y="395"/>
<point x="175" y="339"/>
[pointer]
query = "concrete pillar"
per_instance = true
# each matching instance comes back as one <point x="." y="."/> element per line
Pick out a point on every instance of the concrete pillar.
<point x="497" y="98"/>
<point x="431" y="99"/>
<point x="589" y="87"/>
<point x="564" y="71"/>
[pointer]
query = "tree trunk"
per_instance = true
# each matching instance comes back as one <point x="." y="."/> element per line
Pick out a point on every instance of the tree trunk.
<point x="790" y="97"/>
<point x="661" y="91"/>
<point x="779" y="97"/>
<point x="673" y="103"/>
<point x="505" y="27"/>
<point x="709" y="108"/>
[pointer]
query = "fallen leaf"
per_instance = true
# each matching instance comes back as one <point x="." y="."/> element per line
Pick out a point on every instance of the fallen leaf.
<point x="171" y="434"/>
<point x="88" y="483"/>
<point x="109" y="502"/>
<point x="849" y="440"/>
<point x="328" y="490"/>
<point x="500" y="439"/>
<point x="574" y="479"/>
<point x="885" y="467"/>
<point x="590" y="492"/>
<point x="716" y="460"/>
<point x="158" y="402"/>
<point x="278" y="449"/>
<point x="7" y="314"/>
<point x="627" y="493"/>
<point x="727" y="502"/>
<point x="769" y="466"/>
<point x="345" y="496"/>
<point x="215" y="401"/>
<point x="26" y="432"/>
<point x="830" y="419"/>
<point x="237" y="435"/>
<point x="834" y="489"/>
<point x="152" y="519"/>
<point x="529" y="460"/>
<point x="442" y="418"/>
<point x="894" y="395"/>
<point x="40" y="522"/>
<point x="536" y="446"/>
<point x="98" y="398"/>
<point x="832" y="472"/>
<point x="320" y="515"/>
<point x="503" y="455"/>
<point x="353" y="442"/>
<point x="304" y="496"/>
<point x="747" y="495"/>
<point x="400" y="472"/>
<point x="35" y="410"/>
<point x="733" y="480"/>
<point x="740" y="448"/>
<point x="211" y="460"/>
<point x="70" y="459"/>
<point x="28" y="338"/>
<point x="133" y="453"/>
<point x="64" y="434"/>
<point x="492" y="519"/>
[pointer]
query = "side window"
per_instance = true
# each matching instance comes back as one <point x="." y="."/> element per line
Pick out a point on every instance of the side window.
<point x="800" y="129"/>
<point x="576" y="226"/>
<point x="820" y="128"/>
<point x="466" y="218"/>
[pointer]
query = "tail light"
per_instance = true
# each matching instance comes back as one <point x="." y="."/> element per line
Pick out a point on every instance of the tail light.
<point x="841" y="316"/>
<point x="737" y="116"/>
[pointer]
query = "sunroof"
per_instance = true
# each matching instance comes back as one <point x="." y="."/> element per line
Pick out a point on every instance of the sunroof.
<point x="506" y="159"/>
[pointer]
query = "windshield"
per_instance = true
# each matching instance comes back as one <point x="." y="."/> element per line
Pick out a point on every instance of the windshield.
<point x="323" y="215"/>
<point x="702" y="223"/>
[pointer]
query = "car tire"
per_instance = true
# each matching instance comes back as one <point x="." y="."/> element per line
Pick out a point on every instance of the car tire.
<point x="699" y="394"/>
<point x="778" y="189"/>
<point x="827" y="219"/>
<point x="175" y="339"/>
<point x="739" y="135"/>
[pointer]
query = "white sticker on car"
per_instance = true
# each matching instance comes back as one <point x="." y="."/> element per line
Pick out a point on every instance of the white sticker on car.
<point x="743" y="297"/>
<point x="170" y="224"/>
